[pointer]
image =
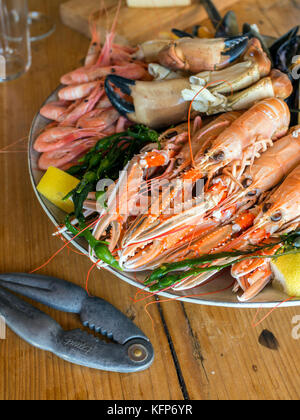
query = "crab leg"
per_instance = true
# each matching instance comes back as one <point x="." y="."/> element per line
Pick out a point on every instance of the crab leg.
<point x="210" y="101"/>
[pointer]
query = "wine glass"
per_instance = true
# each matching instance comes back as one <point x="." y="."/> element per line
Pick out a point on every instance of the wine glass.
<point x="40" y="26"/>
<point x="18" y="28"/>
<point x="15" y="51"/>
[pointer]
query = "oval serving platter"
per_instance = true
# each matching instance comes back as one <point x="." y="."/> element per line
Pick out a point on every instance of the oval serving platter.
<point x="215" y="293"/>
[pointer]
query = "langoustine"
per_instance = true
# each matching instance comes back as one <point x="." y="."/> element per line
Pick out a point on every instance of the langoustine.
<point x="265" y="174"/>
<point x="280" y="213"/>
<point x="214" y="232"/>
<point x="123" y="199"/>
<point x="234" y="147"/>
<point x="172" y="156"/>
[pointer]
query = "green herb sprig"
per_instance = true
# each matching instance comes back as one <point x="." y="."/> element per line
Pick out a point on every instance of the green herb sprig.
<point x="106" y="159"/>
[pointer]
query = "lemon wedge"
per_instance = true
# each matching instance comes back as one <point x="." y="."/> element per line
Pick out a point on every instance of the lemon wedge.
<point x="286" y="271"/>
<point x="55" y="185"/>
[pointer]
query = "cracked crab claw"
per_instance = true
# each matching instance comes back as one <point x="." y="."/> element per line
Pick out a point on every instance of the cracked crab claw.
<point x="195" y="54"/>
<point x="255" y="64"/>
<point x="162" y="73"/>
<point x="239" y="86"/>
<point x="210" y="102"/>
<point x="155" y="104"/>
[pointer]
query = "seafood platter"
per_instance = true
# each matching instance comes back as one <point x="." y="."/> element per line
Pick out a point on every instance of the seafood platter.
<point x="186" y="152"/>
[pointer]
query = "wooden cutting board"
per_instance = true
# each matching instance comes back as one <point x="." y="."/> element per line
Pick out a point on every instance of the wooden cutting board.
<point x="134" y="24"/>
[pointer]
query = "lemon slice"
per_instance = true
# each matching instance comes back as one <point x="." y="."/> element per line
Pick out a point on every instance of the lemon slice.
<point x="286" y="270"/>
<point x="55" y="185"/>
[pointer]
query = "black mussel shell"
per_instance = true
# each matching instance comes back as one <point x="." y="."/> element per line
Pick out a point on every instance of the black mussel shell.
<point x="285" y="53"/>
<point x="195" y="30"/>
<point x="228" y="26"/>
<point x="293" y="104"/>
<point x="282" y="40"/>
<point x="182" y="34"/>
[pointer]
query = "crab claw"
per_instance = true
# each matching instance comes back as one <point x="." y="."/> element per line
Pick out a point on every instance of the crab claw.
<point x="124" y="107"/>
<point x="155" y="104"/>
<point x="196" y="55"/>
<point x="235" y="46"/>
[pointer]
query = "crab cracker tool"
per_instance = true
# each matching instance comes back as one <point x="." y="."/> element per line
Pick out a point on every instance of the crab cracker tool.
<point x="130" y="351"/>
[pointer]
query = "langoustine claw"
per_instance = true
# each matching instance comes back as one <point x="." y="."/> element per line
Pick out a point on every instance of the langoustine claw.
<point x="121" y="203"/>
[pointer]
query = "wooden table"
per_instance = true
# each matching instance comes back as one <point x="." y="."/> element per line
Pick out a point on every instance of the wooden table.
<point x="200" y="352"/>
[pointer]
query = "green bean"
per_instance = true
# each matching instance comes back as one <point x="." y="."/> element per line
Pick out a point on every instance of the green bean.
<point x="100" y="247"/>
<point x="102" y="253"/>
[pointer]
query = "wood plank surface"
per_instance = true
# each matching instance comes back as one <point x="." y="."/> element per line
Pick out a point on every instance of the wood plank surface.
<point x="200" y="352"/>
<point x="26" y="243"/>
<point x="219" y="349"/>
<point x="136" y="25"/>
